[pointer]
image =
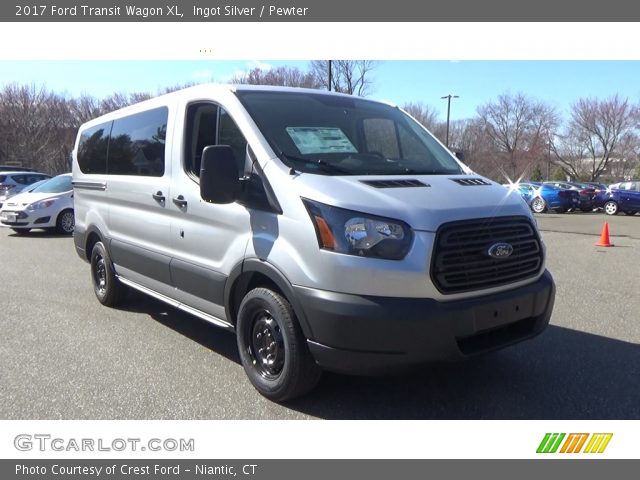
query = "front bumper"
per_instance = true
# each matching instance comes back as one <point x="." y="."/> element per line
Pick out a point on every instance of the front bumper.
<point x="42" y="218"/>
<point x="371" y="335"/>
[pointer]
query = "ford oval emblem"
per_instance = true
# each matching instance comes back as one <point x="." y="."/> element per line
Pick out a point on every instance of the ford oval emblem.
<point x="500" y="250"/>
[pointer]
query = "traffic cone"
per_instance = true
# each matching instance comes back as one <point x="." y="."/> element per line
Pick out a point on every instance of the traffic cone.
<point x="604" y="237"/>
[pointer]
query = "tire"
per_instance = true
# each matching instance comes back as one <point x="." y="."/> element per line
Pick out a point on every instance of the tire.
<point x="108" y="289"/>
<point x="272" y="348"/>
<point x="21" y="231"/>
<point x="538" y="205"/>
<point x="611" y="208"/>
<point x="65" y="222"/>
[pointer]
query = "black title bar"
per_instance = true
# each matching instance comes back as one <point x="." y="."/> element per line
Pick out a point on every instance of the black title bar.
<point x="314" y="469"/>
<point x="324" y="11"/>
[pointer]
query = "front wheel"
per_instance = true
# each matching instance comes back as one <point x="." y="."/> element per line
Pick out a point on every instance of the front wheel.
<point x="538" y="205"/>
<point x="106" y="285"/>
<point x="272" y="348"/>
<point x="65" y="222"/>
<point x="611" y="208"/>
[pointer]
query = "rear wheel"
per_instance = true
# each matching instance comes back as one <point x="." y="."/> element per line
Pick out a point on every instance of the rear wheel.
<point x="65" y="222"/>
<point x="21" y="231"/>
<point x="272" y="348"/>
<point x="106" y="285"/>
<point x="611" y="208"/>
<point x="538" y="205"/>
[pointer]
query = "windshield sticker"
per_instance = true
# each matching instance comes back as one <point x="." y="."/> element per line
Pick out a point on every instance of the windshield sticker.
<point x="310" y="140"/>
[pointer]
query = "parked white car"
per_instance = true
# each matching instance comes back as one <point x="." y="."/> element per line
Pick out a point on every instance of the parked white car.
<point x="49" y="206"/>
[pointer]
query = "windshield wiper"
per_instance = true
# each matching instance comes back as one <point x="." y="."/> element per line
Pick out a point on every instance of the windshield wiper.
<point x="325" y="166"/>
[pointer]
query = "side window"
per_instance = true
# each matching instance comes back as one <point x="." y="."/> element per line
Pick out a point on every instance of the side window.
<point x="380" y="137"/>
<point x="230" y="134"/>
<point x="208" y="124"/>
<point x="20" y="179"/>
<point x="92" y="149"/>
<point x="137" y="144"/>
<point x="202" y="119"/>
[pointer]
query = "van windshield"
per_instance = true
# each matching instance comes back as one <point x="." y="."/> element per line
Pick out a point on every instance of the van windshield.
<point x="339" y="135"/>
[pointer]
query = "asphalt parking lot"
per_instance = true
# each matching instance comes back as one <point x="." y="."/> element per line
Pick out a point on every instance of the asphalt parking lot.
<point x="64" y="356"/>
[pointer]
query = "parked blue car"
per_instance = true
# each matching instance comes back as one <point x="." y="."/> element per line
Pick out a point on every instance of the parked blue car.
<point x="626" y="198"/>
<point x="542" y="197"/>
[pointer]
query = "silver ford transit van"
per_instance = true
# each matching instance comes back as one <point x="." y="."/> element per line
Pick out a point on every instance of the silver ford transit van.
<point x="328" y="231"/>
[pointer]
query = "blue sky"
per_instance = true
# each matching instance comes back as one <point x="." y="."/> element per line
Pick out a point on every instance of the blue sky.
<point x="558" y="82"/>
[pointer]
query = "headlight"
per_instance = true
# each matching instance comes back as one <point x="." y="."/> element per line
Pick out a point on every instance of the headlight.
<point x="356" y="233"/>
<point x="41" y="204"/>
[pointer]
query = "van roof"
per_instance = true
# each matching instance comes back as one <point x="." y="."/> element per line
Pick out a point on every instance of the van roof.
<point x="218" y="87"/>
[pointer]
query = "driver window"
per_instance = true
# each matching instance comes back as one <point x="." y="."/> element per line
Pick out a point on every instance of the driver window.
<point x="201" y="132"/>
<point x="208" y="124"/>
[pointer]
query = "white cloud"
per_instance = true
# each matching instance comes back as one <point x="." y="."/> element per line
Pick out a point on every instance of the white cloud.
<point x="202" y="75"/>
<point x="258" y="64"/>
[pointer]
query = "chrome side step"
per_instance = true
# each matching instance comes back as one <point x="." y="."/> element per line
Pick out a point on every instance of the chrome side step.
<point x="174" y="303"/>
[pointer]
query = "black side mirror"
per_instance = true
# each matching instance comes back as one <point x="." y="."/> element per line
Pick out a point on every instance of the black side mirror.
<point x="460" y="155"/>
<point x="219" y="182"/>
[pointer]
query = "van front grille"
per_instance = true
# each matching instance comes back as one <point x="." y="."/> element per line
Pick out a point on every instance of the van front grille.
<point x="461" y="261"/>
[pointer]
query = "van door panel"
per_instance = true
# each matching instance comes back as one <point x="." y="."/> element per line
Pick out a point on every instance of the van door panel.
<point x="140" y="225"/>
<point x="207" y="240"/>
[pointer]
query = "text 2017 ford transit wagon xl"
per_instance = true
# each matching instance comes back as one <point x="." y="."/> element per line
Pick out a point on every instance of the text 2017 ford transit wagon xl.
<point x="329" y="231"/>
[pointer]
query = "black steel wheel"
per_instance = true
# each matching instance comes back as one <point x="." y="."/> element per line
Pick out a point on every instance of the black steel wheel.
<point x="108" y="289"/>
<point x="272" y="347"/>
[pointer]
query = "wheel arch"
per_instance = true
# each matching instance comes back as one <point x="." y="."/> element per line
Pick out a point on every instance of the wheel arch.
<point x="254" y="273"/>
<point x="92" y="236"/>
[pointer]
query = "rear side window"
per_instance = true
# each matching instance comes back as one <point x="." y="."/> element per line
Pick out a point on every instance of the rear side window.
<point x="19" y="179"/>
<point x="133" y="145"/>
<point x="92" y="149"/>
<point x="137" y="144"/>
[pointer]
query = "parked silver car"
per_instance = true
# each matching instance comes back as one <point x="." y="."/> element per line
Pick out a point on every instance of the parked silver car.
<point x="12" y="182"/>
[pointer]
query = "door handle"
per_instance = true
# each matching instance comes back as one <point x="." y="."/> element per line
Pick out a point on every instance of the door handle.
<point x="180" y="201"/>
<point x="159" y="196"/>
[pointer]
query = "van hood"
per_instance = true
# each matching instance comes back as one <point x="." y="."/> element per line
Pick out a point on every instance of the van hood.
<point x="422" y="201"/>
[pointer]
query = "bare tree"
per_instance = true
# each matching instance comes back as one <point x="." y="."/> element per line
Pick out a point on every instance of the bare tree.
<point x="519" y="128"/>
<point x="595" y="134"/>
<point x="27" y="128"/>
<point x="354" y="77"/>
<point x="423" y="113"/>
<point x="469" y="136"/>
<point x="119" y="100"/>
<point x="280" y="76"/>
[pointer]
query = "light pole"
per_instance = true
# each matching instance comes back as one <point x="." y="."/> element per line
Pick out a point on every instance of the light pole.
<point x="330" y="75"/>
<point x="448" y="97"/>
